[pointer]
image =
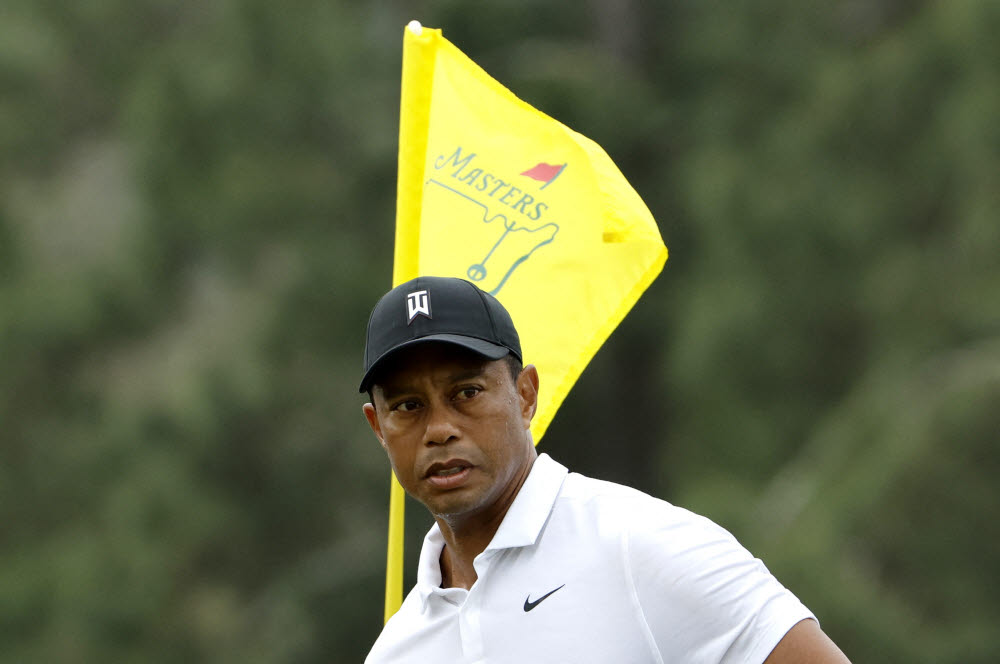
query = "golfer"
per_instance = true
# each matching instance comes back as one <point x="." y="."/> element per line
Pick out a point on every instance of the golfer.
<point x="527" y="562"/>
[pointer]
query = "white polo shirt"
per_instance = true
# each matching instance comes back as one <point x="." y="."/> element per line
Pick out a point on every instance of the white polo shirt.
<point x="583" y="570"/>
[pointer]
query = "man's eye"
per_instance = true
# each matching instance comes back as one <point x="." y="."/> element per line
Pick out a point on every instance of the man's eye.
<point x="466" y="393"/>
<point x="406" y="405"/>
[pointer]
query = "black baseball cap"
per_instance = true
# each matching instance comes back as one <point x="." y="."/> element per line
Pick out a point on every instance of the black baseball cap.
<point x="442" y="309"/>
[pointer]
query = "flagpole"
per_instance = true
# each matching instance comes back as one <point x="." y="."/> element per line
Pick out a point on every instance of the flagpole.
<point x="394" y="552"/>
<point x="418" y="67"/>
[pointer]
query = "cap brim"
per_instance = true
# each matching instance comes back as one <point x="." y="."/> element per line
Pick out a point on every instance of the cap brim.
<point x="489" y="350"/>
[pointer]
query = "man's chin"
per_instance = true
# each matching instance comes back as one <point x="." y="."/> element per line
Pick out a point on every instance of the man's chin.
<point x="455" y="505"/>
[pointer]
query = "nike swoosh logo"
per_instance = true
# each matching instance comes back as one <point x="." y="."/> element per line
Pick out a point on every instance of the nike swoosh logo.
<point x="529" y="605"/>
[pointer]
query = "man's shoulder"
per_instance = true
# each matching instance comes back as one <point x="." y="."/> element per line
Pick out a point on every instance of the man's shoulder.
<point x="601" y="496"/>
<point x="621" y="509"/>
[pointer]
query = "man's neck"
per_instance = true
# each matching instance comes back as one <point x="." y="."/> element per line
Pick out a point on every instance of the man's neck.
<point x="457" y="570"/>
<point x="463" y="541"/>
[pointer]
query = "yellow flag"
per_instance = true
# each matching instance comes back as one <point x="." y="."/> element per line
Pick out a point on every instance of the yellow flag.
<point x="496" y="192"/>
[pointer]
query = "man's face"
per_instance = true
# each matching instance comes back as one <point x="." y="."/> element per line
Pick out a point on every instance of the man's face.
<point x="455" y="427"/>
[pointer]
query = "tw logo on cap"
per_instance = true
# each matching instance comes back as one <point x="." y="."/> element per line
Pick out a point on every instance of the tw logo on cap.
<point x="418" y="303"/>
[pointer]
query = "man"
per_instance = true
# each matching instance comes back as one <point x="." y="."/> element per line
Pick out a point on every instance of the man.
<point x="527" y="562"/>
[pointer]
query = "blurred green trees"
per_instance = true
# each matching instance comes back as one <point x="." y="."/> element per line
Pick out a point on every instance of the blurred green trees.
<point x="196" y="215"/>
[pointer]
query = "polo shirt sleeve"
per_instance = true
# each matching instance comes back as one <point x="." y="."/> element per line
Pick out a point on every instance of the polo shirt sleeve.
<point x="703" y="597"/>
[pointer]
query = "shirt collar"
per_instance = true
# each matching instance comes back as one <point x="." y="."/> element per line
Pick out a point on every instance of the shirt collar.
<point x="531" y="507"/>
<point x="521" y="526"/>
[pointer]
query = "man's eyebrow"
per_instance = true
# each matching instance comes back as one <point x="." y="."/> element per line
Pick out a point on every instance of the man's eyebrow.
<point x="391" y="391"/>
<point x="467" y="374"/>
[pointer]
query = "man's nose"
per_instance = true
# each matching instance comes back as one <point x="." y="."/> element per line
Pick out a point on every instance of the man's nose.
<point x="441" y="428"/>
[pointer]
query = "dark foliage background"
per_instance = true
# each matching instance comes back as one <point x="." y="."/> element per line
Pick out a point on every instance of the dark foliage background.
<point x="196" y="204"/>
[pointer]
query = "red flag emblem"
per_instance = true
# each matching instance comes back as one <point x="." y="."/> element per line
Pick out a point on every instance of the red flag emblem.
<point x="544" y="172"/>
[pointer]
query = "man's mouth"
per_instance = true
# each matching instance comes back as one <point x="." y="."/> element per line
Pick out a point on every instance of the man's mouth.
<point x="446" y="468"/>
<point x="449" y="471"/>
<point x="449" y="474"/>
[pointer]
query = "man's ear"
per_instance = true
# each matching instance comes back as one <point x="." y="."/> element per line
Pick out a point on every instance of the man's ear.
<point x="372" y="417"/>
<point x="527" y="389"/>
